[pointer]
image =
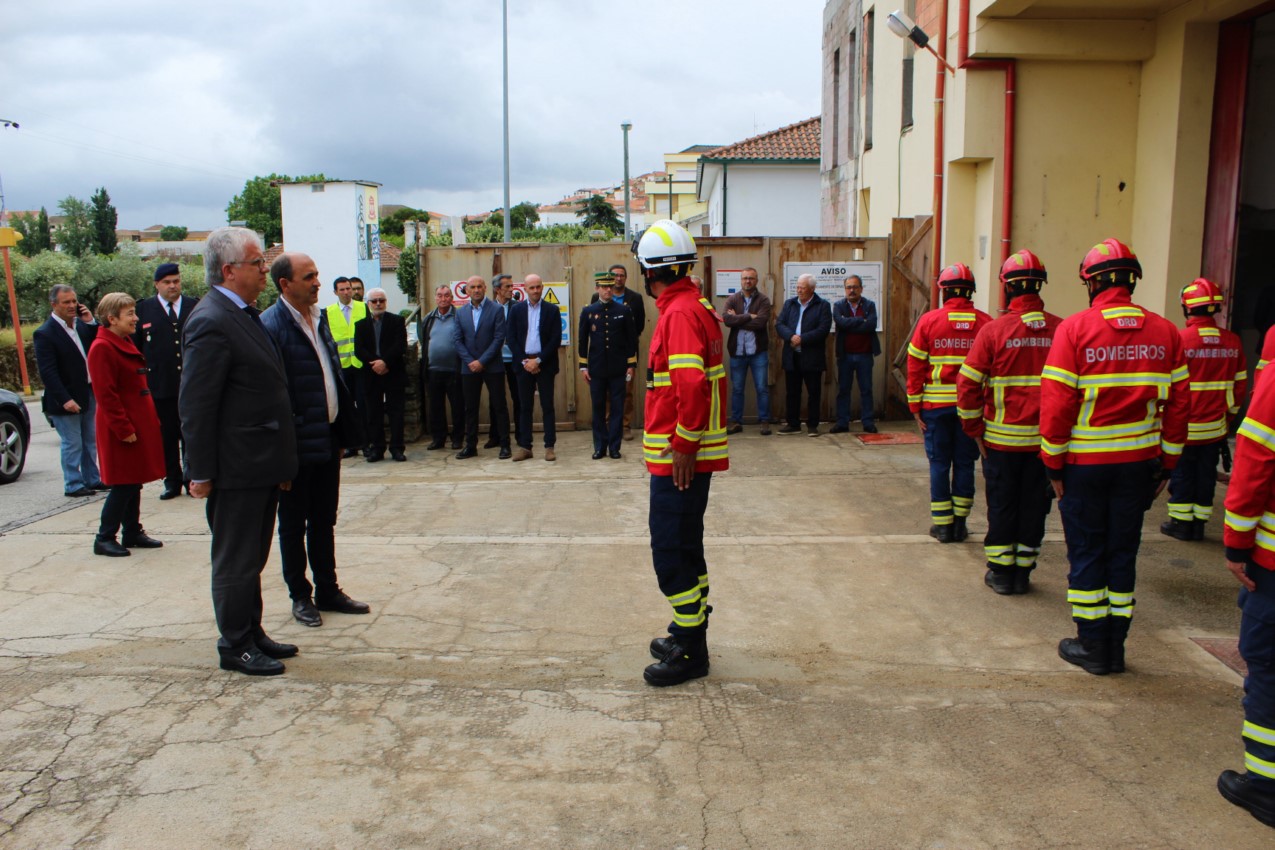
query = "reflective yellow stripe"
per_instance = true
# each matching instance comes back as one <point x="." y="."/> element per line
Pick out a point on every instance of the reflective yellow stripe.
<point x="961" y="317"/>
<point x="1062" y="376"/>
<point x="1126" y="379"/>
<point x="1204" y="386"/>
<point x="968" y="371"/>
<point x="1206" y="430"/>
<point x="918" y="353"/>
<point x="717" y="373"/>
<point x="1241" y="523"/>
<point x="1082" y="597"/>
<point x="1204" y="512"/>
<point x="1054" y="449"/>
<point x="1000" y="555"/>
<point x="662" y="379"/>
<point x="1259" y="733"/>
<point x="1082" y="612"/>
<point x="1121" y="312"/>
<point x="1117" y="445"/>
<point x="1258" y="433"/>
<point x="1099" y="432"/>
<point x="969" y="414"/>
<point x="685" y="361"/>
<point x="947" y="359"/>
<point x="1182" y="511"/>
<point x="1259" y="766"/>
<point x="1015" y="381"/>
<point x="1171" y="448"/>
<point x="1180" y="374"/>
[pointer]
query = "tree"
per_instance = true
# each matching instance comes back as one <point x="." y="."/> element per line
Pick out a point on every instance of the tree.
<point x="392" y="224"/>
<point x="521" y="217"/>
<point x="407" y="273"/>
<point x="44" y="233"/>
<point x="104" y="219"/>
<point x="26" y="227"/>
<point x="172" y="233"/>
<point x="598" y="214"/>
<point x="75" y="236"/>
<point x="258" y="204"/>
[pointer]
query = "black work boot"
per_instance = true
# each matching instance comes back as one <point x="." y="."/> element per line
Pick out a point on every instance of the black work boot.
<point x="103" y="545"/>
<point x="686" y="659"/>
<point x="1090" y="655"/>
<point x="1238" y="789"/>
<point x="1197" y="529"/>
<point x="139" y="540"/>
<point x="1178" y="529"/>
<point x="941" y="533"/>
<point x="959" y="531"/>
<point x="1000" y="580"/>
<point x="1023" y="579"/>
<point x="660" y="646"/>
<point x="1115" y="654"/>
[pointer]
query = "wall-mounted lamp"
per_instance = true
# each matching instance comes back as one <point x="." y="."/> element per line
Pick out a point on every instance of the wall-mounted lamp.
<point x="904" y="27"/>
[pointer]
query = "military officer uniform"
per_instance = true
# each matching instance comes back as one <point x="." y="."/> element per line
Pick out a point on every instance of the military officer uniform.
<point x="159" y="338"/>
<point x="608" y="343"/>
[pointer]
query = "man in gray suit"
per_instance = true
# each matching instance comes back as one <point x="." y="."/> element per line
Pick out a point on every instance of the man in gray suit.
<point x="240" y="442"/>
<point x="479" y="334"/>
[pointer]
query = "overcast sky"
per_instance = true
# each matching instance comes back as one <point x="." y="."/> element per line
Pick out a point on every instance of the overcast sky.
<point x="172" y="106"/>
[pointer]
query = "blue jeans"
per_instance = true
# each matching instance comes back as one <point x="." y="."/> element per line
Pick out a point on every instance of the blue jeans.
<point x="79" y="448"/>
<point x="952" y="454"/>
<point x="848" y="367"/>
<point x="740" y="365"/>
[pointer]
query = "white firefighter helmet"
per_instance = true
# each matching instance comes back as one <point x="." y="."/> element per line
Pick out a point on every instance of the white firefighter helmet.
<point x="665" y="243"/>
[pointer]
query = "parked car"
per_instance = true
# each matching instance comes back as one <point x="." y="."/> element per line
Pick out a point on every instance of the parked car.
<point x="15" y="436"/>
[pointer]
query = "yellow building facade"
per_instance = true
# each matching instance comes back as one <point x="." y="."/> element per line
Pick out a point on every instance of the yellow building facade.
<point x="1117" y="127"/>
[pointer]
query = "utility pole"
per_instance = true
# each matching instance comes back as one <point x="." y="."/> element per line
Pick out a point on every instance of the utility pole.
<point x="626" y="127"/>
<point x="9" y="238"/>
<point x="504" y="8"/>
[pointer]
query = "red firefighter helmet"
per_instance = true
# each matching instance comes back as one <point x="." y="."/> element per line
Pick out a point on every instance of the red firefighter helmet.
<point x="1023" y="266"/>
<point x="957" y="276"/>
<point x="1109" y="255"/>
<point x="1201" y="293"/>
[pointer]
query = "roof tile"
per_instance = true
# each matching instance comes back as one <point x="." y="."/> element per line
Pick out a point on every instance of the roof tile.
<point x="796" y="141"/>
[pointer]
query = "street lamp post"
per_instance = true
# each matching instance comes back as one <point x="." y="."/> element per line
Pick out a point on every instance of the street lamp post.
<point x="626" y="127"/>
<point x="504" y="8"/>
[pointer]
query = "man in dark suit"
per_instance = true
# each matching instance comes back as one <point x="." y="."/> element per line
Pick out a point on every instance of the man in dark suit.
<point x="857" y="346"/>
<point x="535" y="333"/>
<point x="326" y="422"/>
<point x="380" y="341"/>
<point x="240" y="441"/>
<point x="631" y="298"/>
<point x="61" y="355"/>
<point x="803" y="325"/>
<point x="479" y="334"/>
<point x="160" y="320"/>
<point x="608" y="342"/>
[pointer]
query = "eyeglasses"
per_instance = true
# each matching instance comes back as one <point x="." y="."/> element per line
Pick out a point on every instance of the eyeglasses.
<point x="376" y="300"/>
<point x="260" y="263"/>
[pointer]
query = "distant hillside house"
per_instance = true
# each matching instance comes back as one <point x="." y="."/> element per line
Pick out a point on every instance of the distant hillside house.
<point x="767" y="185"/>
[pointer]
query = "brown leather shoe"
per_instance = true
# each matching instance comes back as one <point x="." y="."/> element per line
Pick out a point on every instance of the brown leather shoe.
<point x="522" y="454"/>
<point x="549" y="455"/>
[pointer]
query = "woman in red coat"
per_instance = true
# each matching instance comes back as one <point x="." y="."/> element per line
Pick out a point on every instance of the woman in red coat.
<point x="129" y="449"/>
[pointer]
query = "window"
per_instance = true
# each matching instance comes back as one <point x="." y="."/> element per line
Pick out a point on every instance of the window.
<point x="869" y="20"/>
<point x="834" y="153"/>
<point x="909" y="53"/>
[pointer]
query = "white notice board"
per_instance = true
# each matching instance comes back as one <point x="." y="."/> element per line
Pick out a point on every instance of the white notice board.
<point x="726" y="282"/>
<point x="830" y="281"/>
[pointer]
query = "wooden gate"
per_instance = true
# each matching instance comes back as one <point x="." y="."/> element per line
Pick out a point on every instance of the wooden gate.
<point x="909" y="297"/>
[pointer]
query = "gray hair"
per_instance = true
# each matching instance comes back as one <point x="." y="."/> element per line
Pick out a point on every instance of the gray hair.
<point x="374" y="290"/>
<point x="809" y="278"/>
<point x="225" y="245"/>
<point x="58" y="289"/>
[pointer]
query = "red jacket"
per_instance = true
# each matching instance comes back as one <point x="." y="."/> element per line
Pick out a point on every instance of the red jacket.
<point x="1250" y="497"/>
<point x="1219" y="378"/>
<point x="686" y="405"/>
<point x="943" y="337"/>
<point x="1007" y="359"/>
<point x="1267" y="355"/>
<point x="124" y="407"/>
<point x="1114" y="389"/>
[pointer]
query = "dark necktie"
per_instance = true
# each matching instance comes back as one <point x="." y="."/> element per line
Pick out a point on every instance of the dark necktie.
<point x="255" y="315"/>
<point x="172" y="314"/>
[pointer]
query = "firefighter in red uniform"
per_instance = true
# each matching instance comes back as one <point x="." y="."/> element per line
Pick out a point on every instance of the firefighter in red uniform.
<point x="1249" y="535"/>
<point x="998" y="400"/>
<point x="684" y="444"/>
<point x="942" y="339"/>
<point x="1113" y="414"/>
<point x="1219" y="379"/>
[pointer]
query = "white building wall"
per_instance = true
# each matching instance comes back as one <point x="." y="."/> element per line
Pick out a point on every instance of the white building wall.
<point x="765" y="200"/>
<point x="321" y="224"/>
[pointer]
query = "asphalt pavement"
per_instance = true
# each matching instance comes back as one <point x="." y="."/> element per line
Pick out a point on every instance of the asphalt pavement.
<point x="38" y="493"/>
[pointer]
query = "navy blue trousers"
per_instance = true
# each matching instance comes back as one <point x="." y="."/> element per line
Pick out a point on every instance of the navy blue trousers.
<point x="952" y="455"/>
<point x="677" y="549"/>
<point x="607" y="430"/>
<point x="1102" y="509"/>
<point x="1193" y="483"/>
<point x="1257" y="648"/>
<point x="1018" y="491"/>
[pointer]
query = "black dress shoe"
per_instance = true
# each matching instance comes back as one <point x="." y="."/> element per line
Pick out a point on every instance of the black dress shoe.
<point x="1237" y="788"/>
<point x="373" y="457"/>
<point x="274" y="649"/>
<point x="100" y="487"/>
<point x="306" y="614"/>
<point x="599" y="454"/>
<point x="109" y="548"/>
<point x="505" y="453"/>
<point x="398" y="456"/>
<point x="342" y="604"/>
<point x="869" y="429"/>
<point x="466" y="453"/>
<point x="251" y="661"/>
<point x="491" y="444"/>
<point x="79" y="494"/>
<point x="140" y="540"/>
<point x="170" y="494"/>
<point x="435" y="446"/>
<point x="349" y="453"/>
<point x="615" y="454"/>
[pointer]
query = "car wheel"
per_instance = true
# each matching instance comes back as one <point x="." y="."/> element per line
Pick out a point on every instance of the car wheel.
<point x="13" y="448"/>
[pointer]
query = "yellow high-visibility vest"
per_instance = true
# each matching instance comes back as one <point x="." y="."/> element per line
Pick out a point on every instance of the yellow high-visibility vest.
<point x="343" y="332"/>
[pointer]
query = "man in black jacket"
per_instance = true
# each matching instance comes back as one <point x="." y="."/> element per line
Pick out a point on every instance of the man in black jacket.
<point x="803" y="325"/>
<point x="631" y="298"/>
<point x="324" y="416"/>
<point x="160" y="320"/>
<point x="608" y="345"/>
<point x="61" y="354"/>
<point x="380" y="341"/>
<point x="535" y="334"/>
